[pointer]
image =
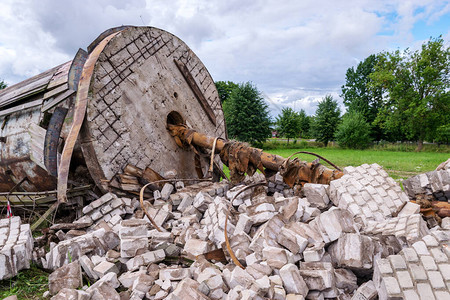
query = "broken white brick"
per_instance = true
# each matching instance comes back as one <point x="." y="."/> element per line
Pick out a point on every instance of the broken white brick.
<point x="409" y="209"/>
<point x="244" y="224"/>
<point x="104" y="268"/>
<point x="353" y="251"/>
<point x="292" y="240"/>
<point x="292" y="280"/>
<point x="316" y="194"/>
<point x="275" y="257"/>
<point x="196" y="247"/>
<point x="174" y="273"/>
<point x="166" y="191"/>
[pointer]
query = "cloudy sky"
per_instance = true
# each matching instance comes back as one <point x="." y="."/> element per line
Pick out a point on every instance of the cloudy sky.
<point x="295" y="52"/>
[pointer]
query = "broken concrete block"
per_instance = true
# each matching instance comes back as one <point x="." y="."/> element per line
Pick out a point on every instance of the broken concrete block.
<point x="146" y="258"/>
<point x="316" y="194"/>
<point x="366" y="291"/>
<point x="132" y="247"/>
<point x="174" y="273"/>
<point x="314" y="253"/>
<point x="345" y="280"/>
<point x="88" y="267"/>
<point x="291" y="239"/>
<point x="409" y="209"/>
<point x="244" y="224"/>
<point x="166" y="191"/>
<point x="318" y="275"/>
<point x="292" y="280"/>
<point x="126" y="279"/>
<point x="352" y="251"/>
<point x="69" y="293"/>
<point x="196" y="247"/>
<point x="240" y="277"/>
<point x="275" y="257"/>
<point x="333" y="223"/>
<point x="143" y="283"/>
<point x="187" y="289"/>
<point x="201" y="201"/>
<point x="68" y="276"/>
<point x="105" y="267"/>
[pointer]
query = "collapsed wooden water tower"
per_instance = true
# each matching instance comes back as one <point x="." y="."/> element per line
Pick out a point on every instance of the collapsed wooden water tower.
<point x="107" y="109"/>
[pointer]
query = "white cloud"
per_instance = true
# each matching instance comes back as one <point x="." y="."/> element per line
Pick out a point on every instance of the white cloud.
<point x="294" y="51"/>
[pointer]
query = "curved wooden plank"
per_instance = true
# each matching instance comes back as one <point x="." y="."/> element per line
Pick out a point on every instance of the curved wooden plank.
<point x="78" y="117"/>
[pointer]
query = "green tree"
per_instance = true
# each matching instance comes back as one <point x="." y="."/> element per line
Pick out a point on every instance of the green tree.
<point x="354" y="131"/>
<point x="416" y="90"/>
<point x="3" y="85"/>
<point x="288" y="123"/>
<point x="359" y="97"/>
<point x="326" y="120"/>
<point x="224" y="88"/>
<point x="246" y="114"/>
<point x="305" y="122"/>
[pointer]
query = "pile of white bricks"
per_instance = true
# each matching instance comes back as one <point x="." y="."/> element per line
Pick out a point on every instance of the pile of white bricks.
<point x="16" y="245"/>
<point x="358" y="238"/>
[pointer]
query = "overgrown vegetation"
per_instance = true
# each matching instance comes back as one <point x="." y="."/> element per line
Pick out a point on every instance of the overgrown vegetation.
<point x="28" y="284"/>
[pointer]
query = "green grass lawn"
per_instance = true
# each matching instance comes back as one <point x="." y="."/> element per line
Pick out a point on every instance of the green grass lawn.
<point x="397" y="164"/>
<point x="28" y="284"/>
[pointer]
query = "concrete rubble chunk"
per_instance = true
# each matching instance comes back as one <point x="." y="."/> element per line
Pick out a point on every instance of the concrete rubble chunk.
<point x="187" y="289"/>
<point x="366" y="291"/>
<point x="318" y="275"/>
<point x="333" y="223"/>
<point x="68" y="276"/>
<point x="71" y="294"/>
<point x="316" y="194"/>
<point x="196" y="247"/>
<point x="292" y="280"/>
<point x="353" y="251"/>
<point x="104" y="268"/>
<point x="166" y="191"/>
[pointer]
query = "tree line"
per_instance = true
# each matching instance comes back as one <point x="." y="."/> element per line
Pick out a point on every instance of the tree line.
<point x="390" y="96"/>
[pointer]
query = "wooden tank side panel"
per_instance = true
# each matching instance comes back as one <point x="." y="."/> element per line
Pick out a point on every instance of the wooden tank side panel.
<point x="136" y="85"/>
<point x="15" y="153"/>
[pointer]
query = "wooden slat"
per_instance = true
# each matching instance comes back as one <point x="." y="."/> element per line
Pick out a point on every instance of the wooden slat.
<point x="37" y="134"/>
<point x="60" y="89"/>
<point x="26" y="88"/>
<point x="60" y="76"/>
<point x="55" y="101"/>
<point x="21" y="107"/>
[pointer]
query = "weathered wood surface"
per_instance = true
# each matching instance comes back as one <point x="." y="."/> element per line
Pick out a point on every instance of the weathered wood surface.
<point x="31" y="86"/>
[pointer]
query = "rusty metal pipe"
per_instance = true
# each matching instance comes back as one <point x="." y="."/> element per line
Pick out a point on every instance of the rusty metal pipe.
<point x="293" y="171"/>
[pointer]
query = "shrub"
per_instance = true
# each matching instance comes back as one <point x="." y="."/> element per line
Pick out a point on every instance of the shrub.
<point x="353" y="132"/>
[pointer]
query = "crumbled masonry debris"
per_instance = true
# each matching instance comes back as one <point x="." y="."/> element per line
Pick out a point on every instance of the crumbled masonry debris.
<point x="360" y="237"/>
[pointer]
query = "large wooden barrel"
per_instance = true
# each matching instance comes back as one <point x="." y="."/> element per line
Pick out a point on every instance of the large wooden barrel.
<point x="133" y="80"/>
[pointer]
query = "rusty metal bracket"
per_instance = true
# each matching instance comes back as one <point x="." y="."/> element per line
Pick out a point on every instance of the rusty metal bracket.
<point x="52" y="139"/>
<point x="78" y="117"/>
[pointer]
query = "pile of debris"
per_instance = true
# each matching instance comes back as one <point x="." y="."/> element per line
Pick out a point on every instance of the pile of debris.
<point x="358" y="238"/>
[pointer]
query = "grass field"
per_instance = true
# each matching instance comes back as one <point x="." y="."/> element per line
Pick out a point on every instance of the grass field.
<point x="28" y="284"/>
<point x="397" y="164"/>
